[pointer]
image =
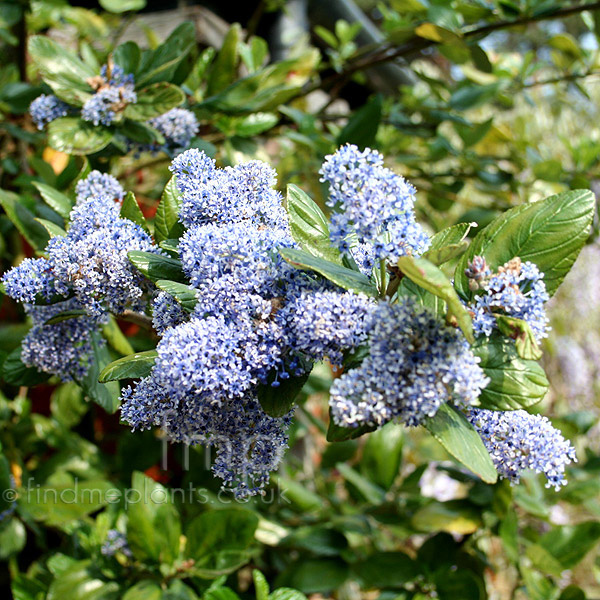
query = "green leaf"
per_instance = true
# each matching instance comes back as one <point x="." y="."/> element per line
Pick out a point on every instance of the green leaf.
<point x="15" y="372"/>
<point x="441" y="255"/>
<point x="12" y="538"/>
<point x="132" y="211"/>
<point x="451" y="235"/>
<point x="140" y="132"/>
<point x="24" y="220"/>
<point x="370" y="492"/>
<point x="127" y="56"/>
<point x="60" y="504"/>
<point x="436" y="305"/>
<point x="319" y="539"/>
<point x="184" y="294"/>
<point x="432" y="279"/>
<point x="121" y="6"/>
<point x="56" y="200"/>
<point x="53" y="229"/>
<point x="104" y="394"/>
<point x="166" y="222"/>
<point x="144" y="590"/>
<point x="218" y="541"/>
<point x="65" y="316"/>
<point x="345" y="278"/>
<point x="278" y="401"/>
<point x="387" y="570"/>
<point x="153" y="526"/>
<point x="382" y="455"/>
<point x="261" y="587"/>
<point x="162" y="63"/>
<point x="549" y="233"/>
<point x="154" y="101"/>
<point x="520" y="331"/>
<point x="223" y="70"/>
<point x="514" y="382"/>
<point x="115" y="337"/>
<point x="68" y="405"/>
<point x="134" y="366"/>
<point x="156" y="266"/>
<point x="309" y="225"/>
<point x="64" y="72"/>
<point x="362" y="126"/>
<point x="76" y="136"/>
<point x="569" y="544"/>
<point x="453" y="431"/>
<point x="254" y="124"/>
<point x="452" y="517"/>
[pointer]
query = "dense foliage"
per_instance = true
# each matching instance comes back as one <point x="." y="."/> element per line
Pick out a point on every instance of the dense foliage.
<point x="295" y="318"/>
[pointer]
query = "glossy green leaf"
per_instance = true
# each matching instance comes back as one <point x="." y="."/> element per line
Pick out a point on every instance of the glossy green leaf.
<point x="15" y="372"/>
<point x="278" y="401"/>
<point x="442" y="255"/>
<point x="255" y="123"/>
<point x="514" y="382"/>
<point x="131" y="210"/>
<point x="121" y="6"/>
<point x="127" y="56"/>
<point x="12" y="538"/>
<point x="56" y="200"/>
<point x="60" y="504"/>
<point x="24" y="220"/>
<point x="53" y="229"/>
<point x="161" y="64"/>
<point x="219" y="541"/>
<point x="549" y="233"/>
<point x="134" y="366"/>
<point x="261" y="587"/>
<point x="153" y="526"/>
<point x="184" y="294"/>
<point x="140" y="132"/>
<point x="309" y="225"/>
<point x="144" y="590"/>
<point x="115" y="337"/>
<point x="432" y="279"/>
<point x="154" y="101"/>
<point x="166" y="222"/>
<point x="64" y="72"/>
<point x="157" y="266"/>
<point x="104" y="394"/>
<point x="345" y="278"/>
<point x="453" y="431"/>
<point x="75" y="136"/>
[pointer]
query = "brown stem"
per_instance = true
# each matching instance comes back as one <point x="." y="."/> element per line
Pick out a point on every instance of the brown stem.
<point x="388" y="52"/>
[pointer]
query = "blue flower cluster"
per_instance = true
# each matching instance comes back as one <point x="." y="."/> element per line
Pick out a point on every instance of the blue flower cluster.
<point x="517" y="290"/>
<point x="47" y="107"/>
<point x="64" y="348"/>
<point x="203" y="387"/>
<point x="415" y="364"/>
<point x="114" y="90"/>
<point x="115" y="542"/>
<point x="178" y="126"/>
<point x="98" y="184"/>
<point x="518" y="441"/>
<point x="231" y="195"/>
<point x="373" y="208"/>
<point x="88" y="267"/>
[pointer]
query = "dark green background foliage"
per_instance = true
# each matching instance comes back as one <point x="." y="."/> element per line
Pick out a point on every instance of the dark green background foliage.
<point x="484" y="105"/>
